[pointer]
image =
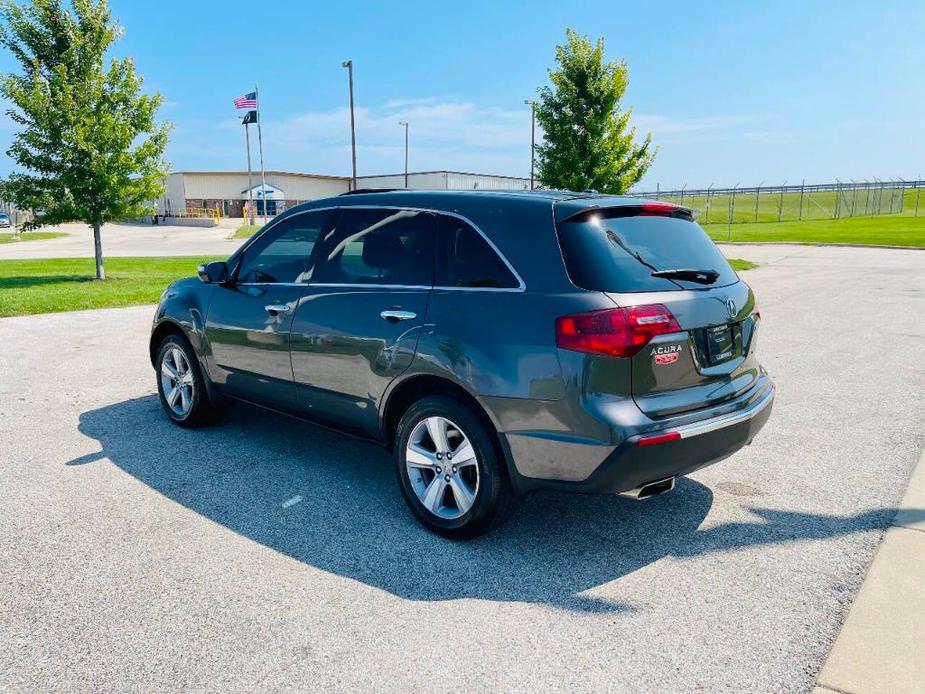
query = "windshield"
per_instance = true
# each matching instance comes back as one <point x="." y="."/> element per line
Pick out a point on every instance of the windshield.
<point x="607" y="251"/>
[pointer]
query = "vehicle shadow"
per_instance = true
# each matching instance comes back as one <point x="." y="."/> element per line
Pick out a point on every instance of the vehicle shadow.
<point x="332" y="502"/>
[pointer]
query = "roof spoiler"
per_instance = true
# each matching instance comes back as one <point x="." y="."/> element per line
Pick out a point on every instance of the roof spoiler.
<point x="361" y="191"/>
<point x="643" y="209"/>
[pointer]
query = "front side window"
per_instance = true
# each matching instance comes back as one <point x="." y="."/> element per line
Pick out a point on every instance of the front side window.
<point x="370" y="246"/>
<point x="285" y="255"/>
<point x="465" y="259"/>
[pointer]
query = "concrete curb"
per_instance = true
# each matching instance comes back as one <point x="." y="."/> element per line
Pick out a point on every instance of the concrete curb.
<point x="881" y="646"/>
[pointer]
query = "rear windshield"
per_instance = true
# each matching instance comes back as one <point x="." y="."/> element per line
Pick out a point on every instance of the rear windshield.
<point x="608" y="251"/>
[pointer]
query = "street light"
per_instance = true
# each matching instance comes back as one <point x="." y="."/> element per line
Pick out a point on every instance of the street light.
<point x="353" y="136"/>
<point x="532" y="104"/>
<point x="404" y="123"/>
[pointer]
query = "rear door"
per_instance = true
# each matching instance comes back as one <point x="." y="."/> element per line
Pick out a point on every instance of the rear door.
<point x="711" y="358"/>
<point x="357" y="325"/>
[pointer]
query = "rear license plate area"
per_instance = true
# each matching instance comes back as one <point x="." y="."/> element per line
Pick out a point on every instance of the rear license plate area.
<point x="720" y="344"/>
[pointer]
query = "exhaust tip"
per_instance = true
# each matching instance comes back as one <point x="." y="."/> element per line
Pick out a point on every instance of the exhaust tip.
<point x="650" y="489"/>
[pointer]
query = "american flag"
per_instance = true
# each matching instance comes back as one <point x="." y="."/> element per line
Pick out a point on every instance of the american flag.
<point x="248" y="101"/>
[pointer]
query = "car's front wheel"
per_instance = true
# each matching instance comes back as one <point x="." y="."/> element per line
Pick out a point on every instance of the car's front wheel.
<point x="449" y="470"/>
<point x="180" y="383"/>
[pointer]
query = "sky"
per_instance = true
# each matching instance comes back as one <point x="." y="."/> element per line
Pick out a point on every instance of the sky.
<point x="747" y="92"/>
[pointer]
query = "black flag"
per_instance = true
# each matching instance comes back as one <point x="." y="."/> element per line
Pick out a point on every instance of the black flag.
<point x="250" y="117"/>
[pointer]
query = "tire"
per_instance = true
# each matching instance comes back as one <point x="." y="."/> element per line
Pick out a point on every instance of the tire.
<point x="190" y="406"/>
<point x="457" y="501"/>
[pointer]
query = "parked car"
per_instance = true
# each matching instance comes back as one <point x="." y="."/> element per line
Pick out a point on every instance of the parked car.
<point x="4" y="220"/>
<point x="496" y="342"/>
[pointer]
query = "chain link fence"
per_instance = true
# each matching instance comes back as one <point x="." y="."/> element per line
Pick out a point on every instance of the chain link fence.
<point x="791" y="203"/>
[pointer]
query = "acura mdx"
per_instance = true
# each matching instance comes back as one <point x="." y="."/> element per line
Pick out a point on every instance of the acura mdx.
<point x="496" y="342"/>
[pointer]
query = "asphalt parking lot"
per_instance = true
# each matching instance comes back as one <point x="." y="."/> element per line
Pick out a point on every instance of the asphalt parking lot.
<point x="264" y="554"/>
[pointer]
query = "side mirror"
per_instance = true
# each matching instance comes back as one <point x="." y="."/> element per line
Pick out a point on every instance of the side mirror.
<point x="213" y="273"/>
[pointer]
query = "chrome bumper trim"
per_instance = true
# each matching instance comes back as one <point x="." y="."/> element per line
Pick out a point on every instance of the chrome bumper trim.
<point x="728" y="420"/>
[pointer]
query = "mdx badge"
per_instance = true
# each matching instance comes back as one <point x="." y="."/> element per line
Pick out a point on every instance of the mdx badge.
<point x="666" y="354"/>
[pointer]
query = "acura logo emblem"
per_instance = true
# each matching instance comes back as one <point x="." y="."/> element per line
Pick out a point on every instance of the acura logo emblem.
<point x="731" y="308"/>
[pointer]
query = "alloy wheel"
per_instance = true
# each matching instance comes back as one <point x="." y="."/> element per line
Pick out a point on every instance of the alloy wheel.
<point x="177" y="381"/>
<point x="442" y="467"/>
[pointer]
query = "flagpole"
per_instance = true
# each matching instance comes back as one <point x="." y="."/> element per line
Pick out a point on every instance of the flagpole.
<point x="250" y="187"/>
<point x="263" y="174"/>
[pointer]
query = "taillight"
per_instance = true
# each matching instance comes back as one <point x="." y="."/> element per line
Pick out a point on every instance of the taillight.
<point x="616" y="332"/>
<point x="659" y="208"/>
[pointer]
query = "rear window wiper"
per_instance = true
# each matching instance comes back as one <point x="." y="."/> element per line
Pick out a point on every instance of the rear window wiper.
<point x="633" y="254"/>
<point x="689" y="275"/>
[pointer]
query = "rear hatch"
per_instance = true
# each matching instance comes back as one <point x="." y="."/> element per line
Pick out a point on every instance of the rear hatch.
<point x="697" y="317"/>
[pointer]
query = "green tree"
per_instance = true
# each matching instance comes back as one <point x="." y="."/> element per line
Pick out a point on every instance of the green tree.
<point x="588" y="141"/>
<point x="89" y="149"/>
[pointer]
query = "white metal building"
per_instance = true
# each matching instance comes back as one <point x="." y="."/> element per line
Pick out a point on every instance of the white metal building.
<point x="196" y="193"/>
<point x="190" y="191"/>
<point x="444" y="180"/>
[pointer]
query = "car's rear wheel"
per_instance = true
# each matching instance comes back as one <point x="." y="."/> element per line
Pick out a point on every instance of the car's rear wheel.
<point x="180" y="383"/>
<point x="449" y="470"/>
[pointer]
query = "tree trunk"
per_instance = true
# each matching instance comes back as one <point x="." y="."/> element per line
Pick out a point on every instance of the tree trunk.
<point x="98" y="252"/>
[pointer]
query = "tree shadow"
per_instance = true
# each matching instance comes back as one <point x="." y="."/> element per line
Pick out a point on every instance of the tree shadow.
<point x="332" y="502"/>
<point x="41" y="280"/>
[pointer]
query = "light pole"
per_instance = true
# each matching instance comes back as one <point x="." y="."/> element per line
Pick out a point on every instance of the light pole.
<point x="353" y="135"/>
<point x="532" y="104"/>
<point x="405" y="124"/>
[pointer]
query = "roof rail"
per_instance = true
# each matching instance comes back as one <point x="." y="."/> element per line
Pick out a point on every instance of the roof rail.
<point x="360" y="191"/>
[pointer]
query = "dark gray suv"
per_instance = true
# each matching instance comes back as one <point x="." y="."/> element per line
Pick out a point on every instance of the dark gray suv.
<point x="496" y="342"/>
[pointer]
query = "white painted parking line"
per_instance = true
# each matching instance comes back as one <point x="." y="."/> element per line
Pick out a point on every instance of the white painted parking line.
<point x="292" y="502"/>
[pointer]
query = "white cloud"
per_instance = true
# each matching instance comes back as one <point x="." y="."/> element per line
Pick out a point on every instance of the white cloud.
<point x="445" y="133"/>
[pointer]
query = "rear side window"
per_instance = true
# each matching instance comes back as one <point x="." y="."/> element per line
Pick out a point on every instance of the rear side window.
<point x="368" y="246"/>
<point x="608" y="251"/>
<point x="466" y="259"/>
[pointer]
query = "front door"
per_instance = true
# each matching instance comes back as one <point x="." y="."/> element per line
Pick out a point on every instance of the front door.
<point x="249" y="319"/>
<point x="357" y="324"/>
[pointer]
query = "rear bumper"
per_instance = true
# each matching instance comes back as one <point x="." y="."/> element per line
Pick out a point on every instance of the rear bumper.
<point x="689" y="447"/>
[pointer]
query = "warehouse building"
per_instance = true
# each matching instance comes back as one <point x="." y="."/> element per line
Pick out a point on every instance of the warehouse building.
<point x="200" y="193"/>
<point x="190" y="192"/>
<point x="444" y="180"/>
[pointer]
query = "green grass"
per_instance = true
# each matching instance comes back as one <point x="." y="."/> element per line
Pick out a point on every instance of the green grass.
<point x="739" y="264"/>
<point x="246" y="231"/>
<point x="30" y="236"/>
<point x="67" y="284"/>
<point x="769" y="206"/>
<point x="893" y="230"/>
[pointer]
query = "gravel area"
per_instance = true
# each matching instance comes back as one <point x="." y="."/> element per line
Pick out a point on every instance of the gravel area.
<point x="265" y="554"/>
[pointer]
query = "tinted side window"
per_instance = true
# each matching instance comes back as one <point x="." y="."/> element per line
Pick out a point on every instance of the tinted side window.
<point x="285" y="255"/>
<point x="465" y="259"/>
<point x="379" y="247"/>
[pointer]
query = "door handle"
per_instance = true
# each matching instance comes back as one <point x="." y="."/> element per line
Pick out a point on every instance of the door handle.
<point x="277" y="309"/>
<point x="395" y="316"/>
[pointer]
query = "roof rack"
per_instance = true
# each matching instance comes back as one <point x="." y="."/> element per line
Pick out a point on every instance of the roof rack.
<point x="360" y="191"/>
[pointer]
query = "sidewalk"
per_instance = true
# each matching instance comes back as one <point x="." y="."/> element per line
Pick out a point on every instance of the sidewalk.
<point x="127" y="240"/>
<point x="881" y="647"/>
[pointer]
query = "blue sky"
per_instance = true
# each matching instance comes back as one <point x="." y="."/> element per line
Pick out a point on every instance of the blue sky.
<point x="731" y="91"/>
